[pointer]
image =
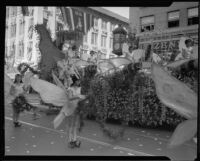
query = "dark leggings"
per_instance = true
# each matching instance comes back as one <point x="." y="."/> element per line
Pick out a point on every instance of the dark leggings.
<point x="15" y="115"/>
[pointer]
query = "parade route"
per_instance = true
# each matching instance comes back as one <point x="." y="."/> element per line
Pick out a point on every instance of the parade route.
<point x="38" y="137"/>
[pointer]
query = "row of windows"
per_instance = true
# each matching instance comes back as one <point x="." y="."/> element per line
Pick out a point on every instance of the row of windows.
<point x="14" y="11"/>
<point x="173" y="18"/>
<point x="13" y="27"/>
<point x="104" y="25"/>
<point x="94" y="40"/>
<point x="12" y="49"/>
<point x="94" y="35"/>
<point x="20" y="52"/>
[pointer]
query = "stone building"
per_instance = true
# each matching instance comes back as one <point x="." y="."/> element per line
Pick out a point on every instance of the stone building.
<point x="163" y="26"/>
<point x="21" y="41"/>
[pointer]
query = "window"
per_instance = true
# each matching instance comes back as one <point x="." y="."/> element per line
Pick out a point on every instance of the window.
<point x="85" y="38"/>
<point x="104" y="25"/>
<point x="13" y="30"/>
<point x="21" y="26"/>
<point x="112" y="27"/>
<point x="173" y="19"/>
<point x="12" y="49"/>
<point x="14" y="11"/>
<point x="147" y="23"/>
<point x="193" y="16"/>
<point x="94" y="38"/>
<point x="95" y="22"/>
<point x="21" y="49"/>
<point x="111" y="43"/>
<point x="19" y="10"/>
<point x="31" y="11"/>
<point x="103" y="41"/>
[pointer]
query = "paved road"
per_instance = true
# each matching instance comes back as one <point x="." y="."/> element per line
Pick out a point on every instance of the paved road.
<point x="38" y="137"/>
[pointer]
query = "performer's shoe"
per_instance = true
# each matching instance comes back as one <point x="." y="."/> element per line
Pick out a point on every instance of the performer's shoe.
<point x="17" y="124"/>
<point x="71" y="144"/>
<point x="36" y="116"/>
<point x="77" y="143"/>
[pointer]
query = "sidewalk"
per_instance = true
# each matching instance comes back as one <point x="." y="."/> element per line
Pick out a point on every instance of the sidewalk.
<point x="37" y="137"/>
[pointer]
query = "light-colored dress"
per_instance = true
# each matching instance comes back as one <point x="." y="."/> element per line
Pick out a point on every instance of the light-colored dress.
<point x="70" y="107"/>
<point x="74" y="97"/>
<point x="19" y="89"/>
<point x="188" y="52"/>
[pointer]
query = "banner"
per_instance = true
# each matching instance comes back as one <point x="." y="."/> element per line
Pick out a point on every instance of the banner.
<point x="67" y="16"/>
<point x="89" y="21"/>
<point x="25" y="11"/>
<point x="77" y="20"/>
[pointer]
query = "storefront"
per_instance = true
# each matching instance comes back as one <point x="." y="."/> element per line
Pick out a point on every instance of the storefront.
<point x="164" y="43"/>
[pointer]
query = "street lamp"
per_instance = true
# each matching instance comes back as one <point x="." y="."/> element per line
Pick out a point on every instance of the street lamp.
<point x="119" y="35"/>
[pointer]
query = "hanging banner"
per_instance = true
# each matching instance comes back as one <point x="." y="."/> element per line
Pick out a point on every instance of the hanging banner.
<point x="89" y="21"/>
<point x="25" y="11"/>
<point x="77" y="20"/>
<point x="67" y="16"/>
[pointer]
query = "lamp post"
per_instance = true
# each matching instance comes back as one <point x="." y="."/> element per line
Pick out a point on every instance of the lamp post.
<point x="119" y="35"/>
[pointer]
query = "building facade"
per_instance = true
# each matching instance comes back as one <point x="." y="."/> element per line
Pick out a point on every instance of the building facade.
<point x="162" y="27"/>
<point x="100" y="37"/>
<point x="21" y="42"/>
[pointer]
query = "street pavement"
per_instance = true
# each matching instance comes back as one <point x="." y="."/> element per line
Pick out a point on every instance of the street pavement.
<point x="38" y="137"/>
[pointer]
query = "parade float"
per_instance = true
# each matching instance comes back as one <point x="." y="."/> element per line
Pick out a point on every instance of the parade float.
<point x="120" y="89"/>
<point x="131" y="96"/>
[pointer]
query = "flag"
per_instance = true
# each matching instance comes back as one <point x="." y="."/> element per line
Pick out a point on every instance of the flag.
<point x="78" y="17"/>
<point x="89" y="21"/>
<point x="67" y="16"/>
<point x="25" y="11"/>
<point x="77" y="20"/>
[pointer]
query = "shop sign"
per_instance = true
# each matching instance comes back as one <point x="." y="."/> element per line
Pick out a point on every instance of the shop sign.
<point x="166" y="45"/>
<point x="163" y="45"/>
